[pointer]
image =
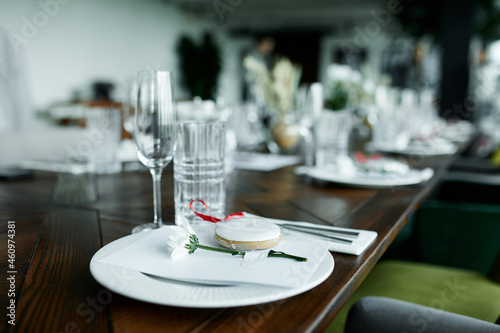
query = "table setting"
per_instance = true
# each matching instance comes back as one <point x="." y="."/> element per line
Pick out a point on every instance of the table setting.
<point x="359" y="171"/>
<point x="124" y="234"/>
<point x="143" y="267"/>
<point x="256" y="190"/>
<point x="432" y="146"/>
<point x="189" y="264"/>
<point x="199" y="173"/>
<point x="405" y="131"/>
<point x="407" y="124"/>
<point x="208" y="279"/>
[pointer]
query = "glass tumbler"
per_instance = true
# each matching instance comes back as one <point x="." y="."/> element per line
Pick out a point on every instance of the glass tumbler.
<point x="199" y="168"/>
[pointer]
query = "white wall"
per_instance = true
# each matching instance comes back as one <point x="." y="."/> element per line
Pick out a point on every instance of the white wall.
<point x="71" y="43"/>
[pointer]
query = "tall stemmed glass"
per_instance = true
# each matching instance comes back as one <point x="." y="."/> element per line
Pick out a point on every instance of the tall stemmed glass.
<point x="154" y="132"/>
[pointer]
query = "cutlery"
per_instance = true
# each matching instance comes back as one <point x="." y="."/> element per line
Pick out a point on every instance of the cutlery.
<point x="334" y="238"/>
<point x="306" y="225"/>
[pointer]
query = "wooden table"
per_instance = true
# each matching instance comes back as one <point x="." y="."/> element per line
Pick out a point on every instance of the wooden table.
<point x="61" y="220"/>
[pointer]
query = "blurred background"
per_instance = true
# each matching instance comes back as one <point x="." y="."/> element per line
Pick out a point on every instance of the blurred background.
<point x="58" y="54"/>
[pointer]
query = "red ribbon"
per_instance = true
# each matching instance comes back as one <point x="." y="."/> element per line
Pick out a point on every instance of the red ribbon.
<point x="361" y="158"/>
<point x="210" y="218"/>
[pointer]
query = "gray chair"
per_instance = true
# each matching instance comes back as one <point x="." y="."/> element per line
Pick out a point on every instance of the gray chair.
<point x="386" y="315"/>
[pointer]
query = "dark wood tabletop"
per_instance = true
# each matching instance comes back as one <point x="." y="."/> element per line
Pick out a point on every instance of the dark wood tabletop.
<point x="61" y="220"/>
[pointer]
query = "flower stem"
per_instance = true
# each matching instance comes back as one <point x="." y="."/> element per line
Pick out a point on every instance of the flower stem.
<point x="210" y="248"/>
<point x="280" y="254"/>
<point x="272" y="253"/>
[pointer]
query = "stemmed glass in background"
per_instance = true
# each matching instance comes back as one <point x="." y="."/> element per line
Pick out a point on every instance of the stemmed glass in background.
<point x="310" y="103"/>
<point x="154" y="131"/>
<point x="129" y="104"/>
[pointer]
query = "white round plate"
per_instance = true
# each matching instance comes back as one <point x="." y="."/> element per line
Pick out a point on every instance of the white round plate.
<point x="440" y="148"/>
<point x="459" y="131"/>
<point x="371" y="179"/>
<point x="136" y="285"/>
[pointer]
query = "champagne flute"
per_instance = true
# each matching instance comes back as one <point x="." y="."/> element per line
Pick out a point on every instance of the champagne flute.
<point x="154" y="131"/>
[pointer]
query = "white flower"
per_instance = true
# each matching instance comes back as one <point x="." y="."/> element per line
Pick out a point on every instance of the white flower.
<point x="347" y="82"/>
<point x="277" y="87"/>
<point x="356" y="77"/>
<point x="342" y="73"/>
<point x="179" y="238"/>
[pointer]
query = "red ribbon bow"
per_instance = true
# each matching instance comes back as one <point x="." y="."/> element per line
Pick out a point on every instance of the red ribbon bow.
<point x="210" y="218"/>
<point x="362" y="158"/>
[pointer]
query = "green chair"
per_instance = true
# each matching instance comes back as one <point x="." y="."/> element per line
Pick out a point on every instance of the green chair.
<point x="455" y="266"/>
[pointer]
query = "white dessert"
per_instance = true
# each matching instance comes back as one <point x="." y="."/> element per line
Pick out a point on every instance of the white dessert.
<point x="249" y="233"/>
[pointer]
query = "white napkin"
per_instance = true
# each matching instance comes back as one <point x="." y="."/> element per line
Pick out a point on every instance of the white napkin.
<point x="359" y="243"/>
<point x="150" y="255"/>
<point x="263" y="162"/>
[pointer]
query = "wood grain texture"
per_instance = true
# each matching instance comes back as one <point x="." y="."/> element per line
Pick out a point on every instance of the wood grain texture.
<point x="58" y="292"/>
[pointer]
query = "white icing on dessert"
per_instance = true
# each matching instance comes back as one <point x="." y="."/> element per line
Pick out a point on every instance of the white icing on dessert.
<point x="249" y="229"/>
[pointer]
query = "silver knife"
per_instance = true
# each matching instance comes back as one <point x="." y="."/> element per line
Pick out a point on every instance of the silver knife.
<point x="310" y="226"/>
<point x="308" y="231"/>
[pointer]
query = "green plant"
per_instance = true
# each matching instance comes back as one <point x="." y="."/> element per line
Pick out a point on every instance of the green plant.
<point x="345" y="88"/>
<point x="200" y="65"/>
<point x="339" y="97"/>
